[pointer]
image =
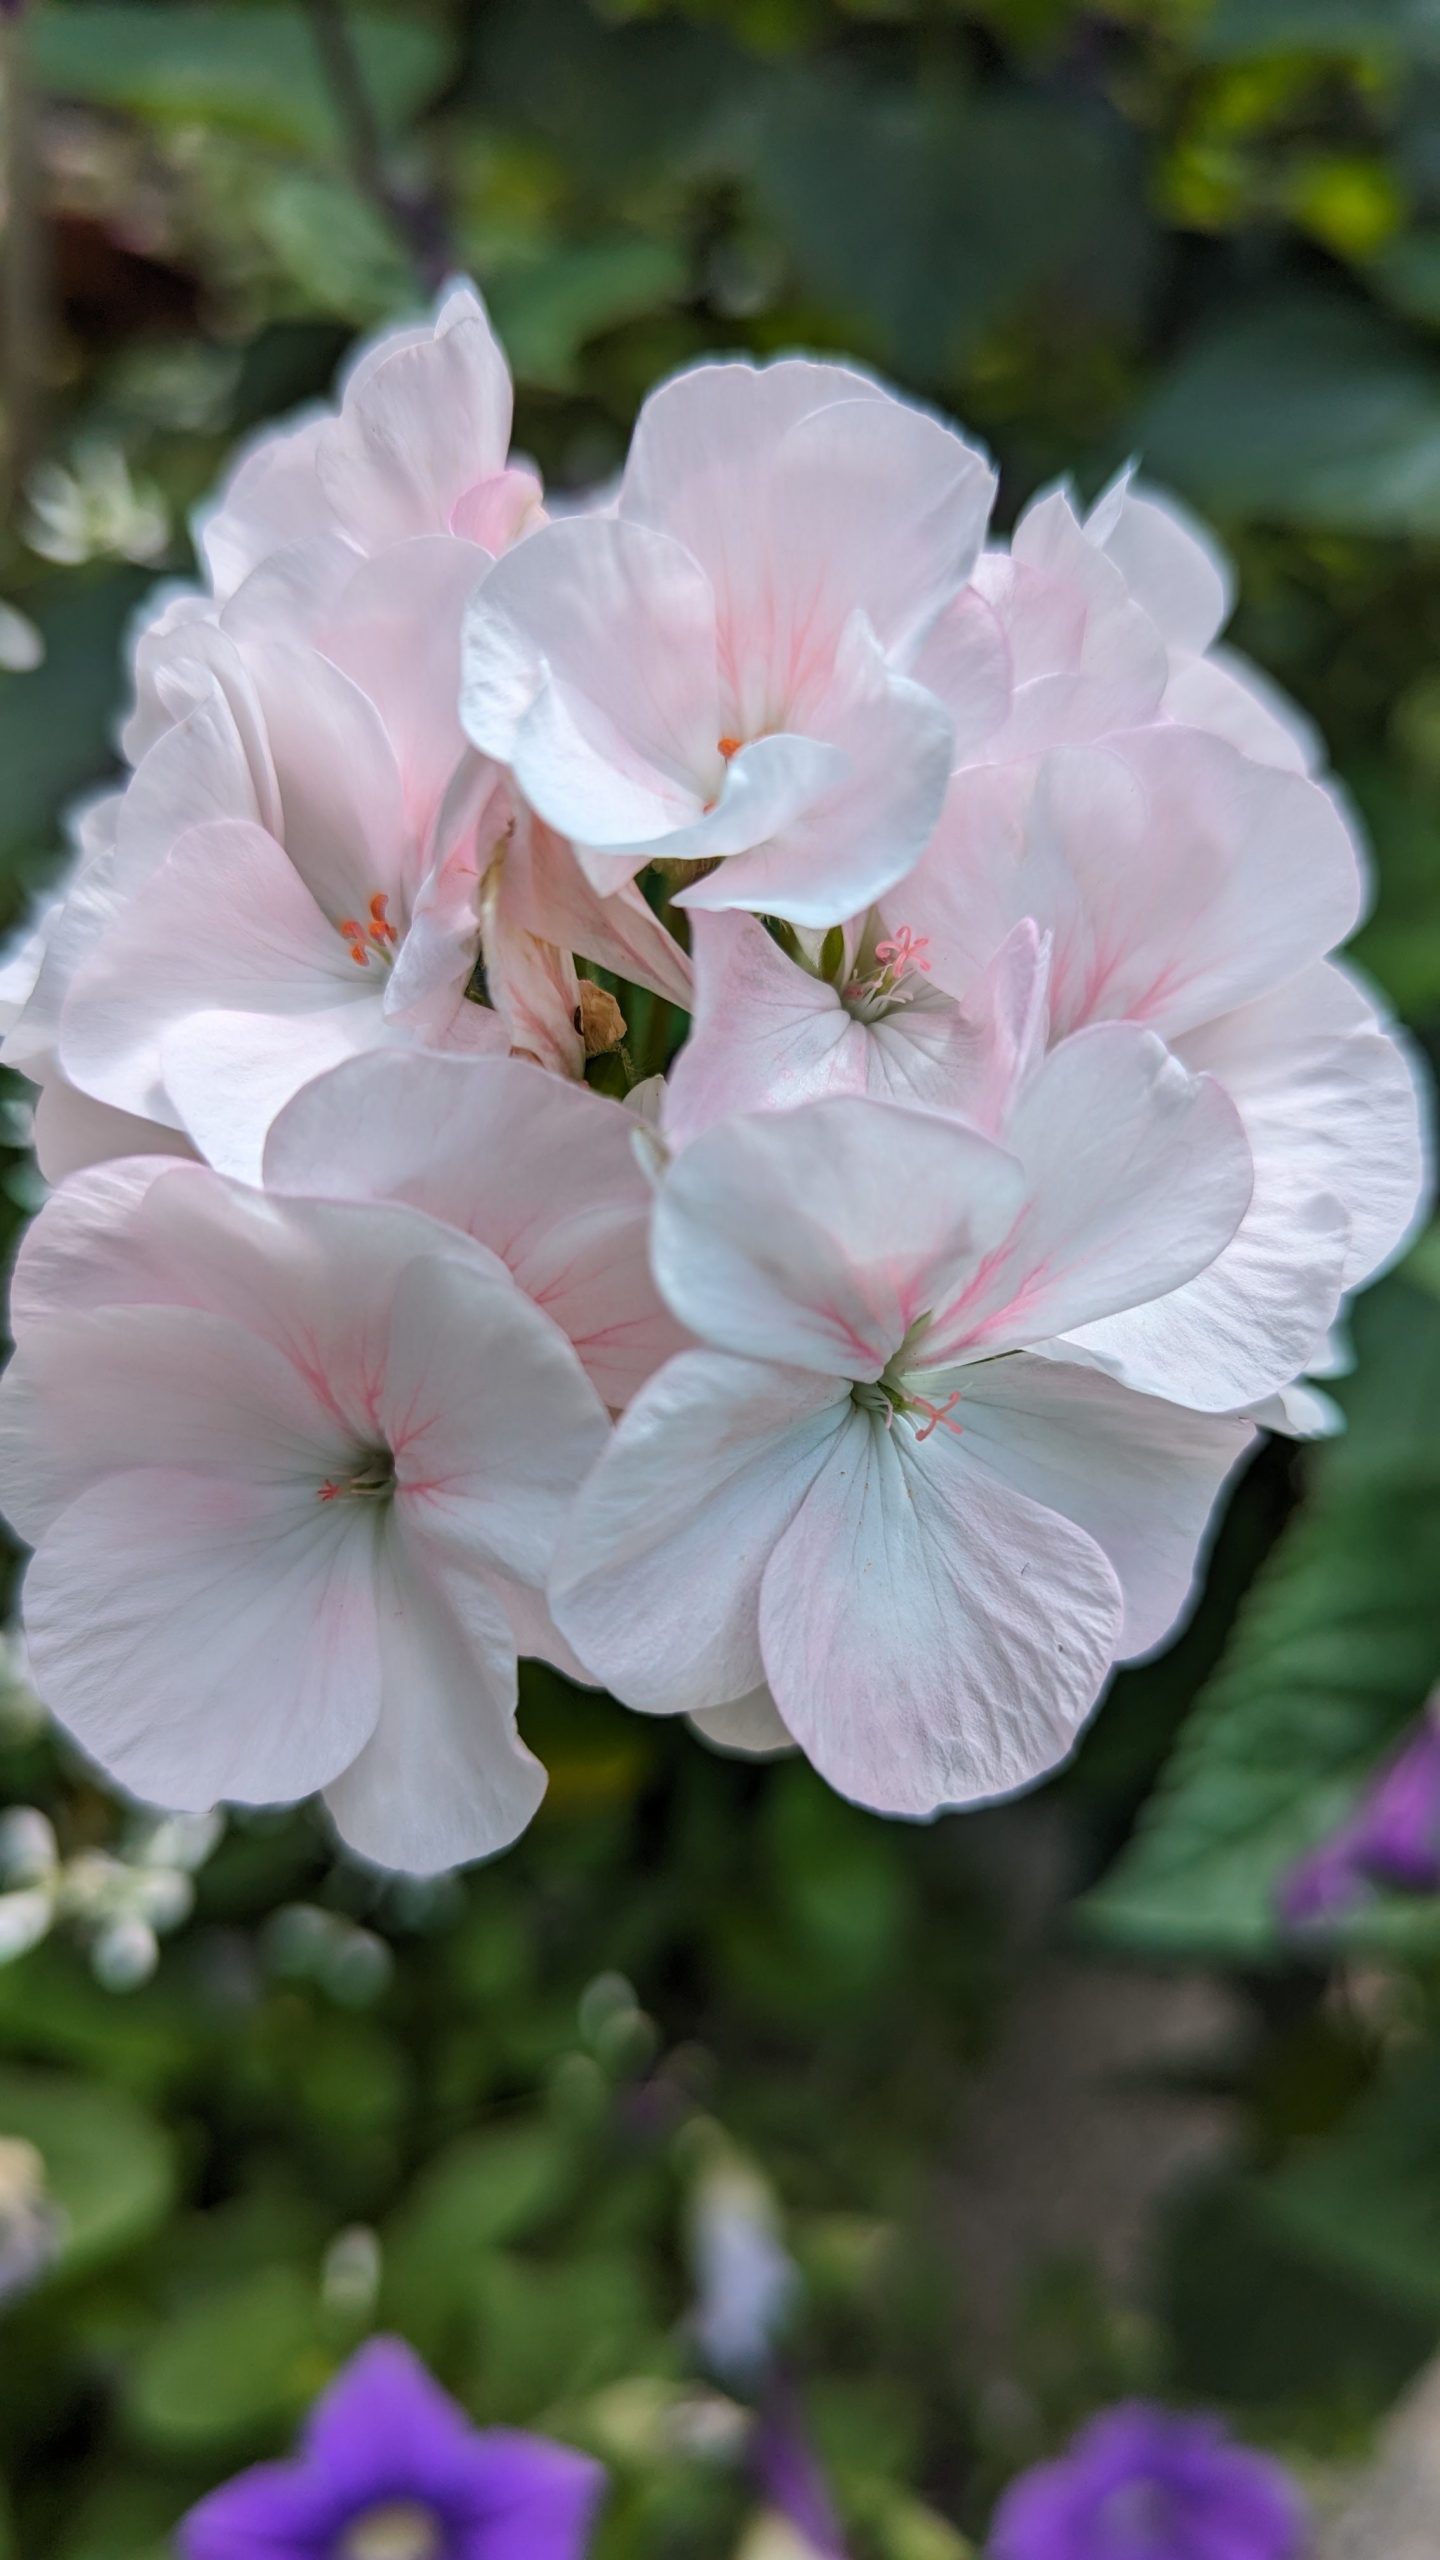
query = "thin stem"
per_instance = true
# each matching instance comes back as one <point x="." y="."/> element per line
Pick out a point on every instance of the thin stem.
<point x="24" y="266"/>
<point x="414" y="214"/>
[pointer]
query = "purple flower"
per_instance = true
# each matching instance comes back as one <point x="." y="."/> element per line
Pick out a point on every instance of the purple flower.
<point x="390" y="2469"/>
<point x="1392" y="1837"/>
<point x="1143" y="2484"/>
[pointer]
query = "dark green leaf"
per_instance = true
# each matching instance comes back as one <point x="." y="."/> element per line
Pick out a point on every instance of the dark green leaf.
<point x="254" y="70"/>
<point x="234" y="2366"/>
<point x="1333" y="1654"/>
<point x="1312" y="410"/>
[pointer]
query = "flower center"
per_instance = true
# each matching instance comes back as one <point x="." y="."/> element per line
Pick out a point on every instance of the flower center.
<point x="400" y="2530"/>
<point x="374" y="1477"/>
<point x="896" y="1391"/>
<point x="892" y="979"/>
<point x="375" y="937"/>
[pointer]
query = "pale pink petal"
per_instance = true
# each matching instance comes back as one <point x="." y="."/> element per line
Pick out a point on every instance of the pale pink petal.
<point x="98" y="1393"/>
<point x="841" y="842"/>
<point x="444" y="1776"/>
<point x="345" y="825"/>
<point x="421" y="422"/>
<point x="230" y="1074"/>
<point x="1137" y="1175"/>
<point x="805" y="490"/>
<point x="535" y="1633"/>
<point x="1224" y="693"/>
<point x="589" y="664"/>
<point x="74" y="1256"/>
<point x="1251" y="873"/>
<point x="395" y="631"/>
<point x="1171" y="563"/>
<point x="820" y="1236"/>
<point x="488" y="1413"/>
<point x="750" y="1727"/>
<point x="1085" y="657"/>
<point x="1141" y="1477"/>
<point x="965" y="660"/>
<point x="544" y="890"/>
<point x="658" y="1573"/>
<point x="1239" y="1330"/>
<point x="767" y="1035"/>
<point x="271" y="497"/>
<point x="931" y="1635"/>
<point x="497" y="511"/>
<point x="226" y="923"/>
<point x="542" y="1173"/>
<point x="73" y="1130"/>
<point x="208" y="1637"/>
<point x="1333" y="1098"/>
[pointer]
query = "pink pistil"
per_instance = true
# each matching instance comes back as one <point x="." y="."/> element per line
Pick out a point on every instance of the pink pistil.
<point x="903" y="952"/>
<point x="937" y="1413"/>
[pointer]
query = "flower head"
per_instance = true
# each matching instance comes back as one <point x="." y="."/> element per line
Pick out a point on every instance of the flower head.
<point x="872" y="1490"/>
<point x="717" y="673"/>
<point x="390" y="2469"/>
<point x="1140" y="2483"/>
<point x="293" y="1471"/>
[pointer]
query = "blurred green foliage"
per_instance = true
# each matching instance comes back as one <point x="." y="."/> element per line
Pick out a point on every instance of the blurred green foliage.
<point x="1202" y="232"/>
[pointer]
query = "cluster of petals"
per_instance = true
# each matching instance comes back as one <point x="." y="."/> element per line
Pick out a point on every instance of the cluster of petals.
<point x="870" y="1382"/>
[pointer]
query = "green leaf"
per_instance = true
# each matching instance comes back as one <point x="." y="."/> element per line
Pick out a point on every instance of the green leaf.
<point x="1366" y="2201"/>
<point x="109" y="2168"/>
<point x="548" y="308"/>
<point x="485" y="2190"/>
<point x="1333" y="1654"/>
<point x="1312" y="410"/>
<point x="334" y="246"/>
<point x="54" y="724"/>
<point x="929" y="220"/>
<point x="234" y="2367"/>
<point x="1237" y="30"/>
<point x="251" y="70"/>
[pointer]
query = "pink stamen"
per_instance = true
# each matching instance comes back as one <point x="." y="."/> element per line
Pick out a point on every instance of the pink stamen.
<point x="937" y="1413"/>
<point x="903" y="951"/>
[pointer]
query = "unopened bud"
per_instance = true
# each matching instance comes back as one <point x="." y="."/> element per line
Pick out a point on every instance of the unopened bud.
<point x="599" y="1020"/>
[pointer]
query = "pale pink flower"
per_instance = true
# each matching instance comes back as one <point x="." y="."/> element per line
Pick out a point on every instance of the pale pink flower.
<point x="864" y="1014"/>
<point x="1081" y="628"/>
<point x="293" y="1471"/>
<point x="541" y="1172"/>
<point x="718" y="671"/>
<point x="872" y="1493"/>
<point x="1183" y="885"/>
<point x="1175" y="569"/>
<point x="419" y="445"/>
<point x="310" y="861"/>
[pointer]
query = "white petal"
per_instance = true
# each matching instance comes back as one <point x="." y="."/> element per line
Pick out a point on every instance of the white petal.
<point x="1141" y="1477"/>
<point x="1171" y="564"/>
<point x="1137" y="1175"/>
<point x="657" y="1579"/>
<point x="444" y="1777"/>
<point x="540" y="1171"/>
<point x="90" y="1394"/>
<point x="1330" y="1095"/>
<point x="620" y="622"/>
<point x="751" y="1728"/>
<point x="932" y="1637"/>
<point x="488" y="1413"/>
<point x="820" y="1236"/>
<point x="206" y="1637"/>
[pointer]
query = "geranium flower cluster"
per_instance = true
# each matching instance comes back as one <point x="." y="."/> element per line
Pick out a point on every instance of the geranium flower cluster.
<point x="867" y="1382"/>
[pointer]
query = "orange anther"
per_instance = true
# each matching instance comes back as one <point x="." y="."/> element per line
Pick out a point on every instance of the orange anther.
<point x="729" y="747"/>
